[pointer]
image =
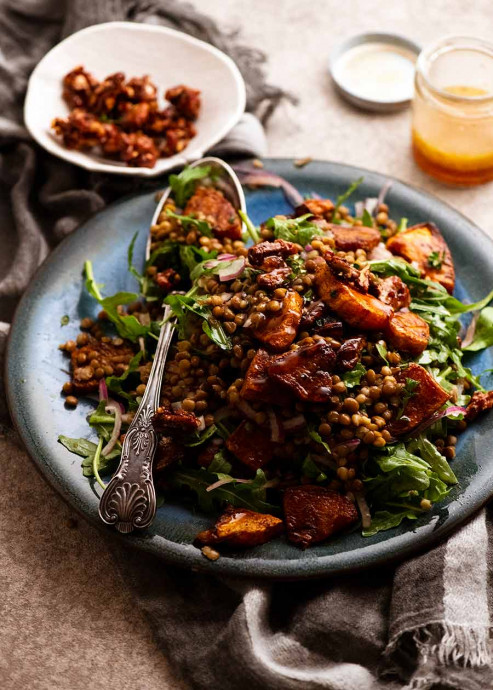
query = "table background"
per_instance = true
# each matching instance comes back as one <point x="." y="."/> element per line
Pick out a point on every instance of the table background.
<point x="61" y="596"/>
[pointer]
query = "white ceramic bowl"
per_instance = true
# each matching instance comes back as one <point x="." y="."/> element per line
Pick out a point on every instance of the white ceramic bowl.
<point x="169" y="57"/>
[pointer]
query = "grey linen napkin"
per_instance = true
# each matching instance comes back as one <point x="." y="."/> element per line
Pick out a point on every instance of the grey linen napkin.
<point x="425" y="624"/>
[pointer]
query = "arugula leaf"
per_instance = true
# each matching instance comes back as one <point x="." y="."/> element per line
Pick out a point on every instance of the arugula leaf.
<point x="382" y="351"/>
<point x="182" y="305"/>
<point x="402" y="225"/>
<point x="87" y="450"/>
<point x="220" y="463"/>
<point x="483" y="333"/>
<point x="456" y="307"/>
<point x="192" y="256"/>
<point x="434" y="458"/>
<point x="344" y="197"/>
<point x="313" y="434"/>
<point x="299" y="230"/>
<point x="367" y="219"/>
<point x="251" y="229"/>
<point x="407" y="393"/>
<point x="353" y="377"/>
<point x="114" y="383"/>
<point x="311" y="470"/>
<point x="127" y="325"/>
<point x="199" y="439"/>
<point x="384" y="519"/>
<point x="201" y="225"/>
<point x="130" y="258"/>
<point x="251" y="495"/>
<point x="183" y="185"/>
<point x="436" y="259"/>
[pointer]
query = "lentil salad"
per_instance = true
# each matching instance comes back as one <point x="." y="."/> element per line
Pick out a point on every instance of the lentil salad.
<point x="314" y="371"/>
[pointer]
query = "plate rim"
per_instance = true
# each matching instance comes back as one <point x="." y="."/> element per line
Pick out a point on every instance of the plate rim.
<point x="185" y="555"/>
<point x="166" y="164"/>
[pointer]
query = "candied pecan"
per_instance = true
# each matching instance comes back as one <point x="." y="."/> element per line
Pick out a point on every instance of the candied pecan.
<point x="316" y="318"/>
<point x="259" y="252"/>
<point x="349" y="354"/>
<point x="141" y="89"/>
<point x="176" y="138"/>
<point x="78" y="87"/>
<point x="313" y="513"/>
<point x="80" y="130"/>
<point x="241" y="527"/>
<point x="167" y="280"/>
<point x="305" y="371"/>
<point x="211" y="205"/>
<point x="185" y="100"/>
<point x="96" y="355"/>
<point x="168" y="451"/>
<point x="139" y="150"/>
<point x="478" y="403"/>
<point x="251" y="445"/>
<point x="393" y="291"/>
<point x="274" y="279"/>
<point x="175" y="421"/>
<point x="320" y="208"/>
<point x="135" y="116"/>
<point x="108" y="94"/>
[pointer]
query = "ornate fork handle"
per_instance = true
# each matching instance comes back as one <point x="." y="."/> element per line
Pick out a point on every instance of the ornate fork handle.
<point x="129" y="500"/>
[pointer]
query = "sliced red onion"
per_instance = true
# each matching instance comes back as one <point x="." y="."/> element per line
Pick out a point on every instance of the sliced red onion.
<point x="227" y="480"/>
<point x="471" y="329"/>
<point x="226" y="257"/>
<point x="201" y="425"/>
<point x="225" y="296"/>
<point x="232" y="271"/>
<point x="246" y="409"/>
<point x="276" y="427"/>
<point x="363" y="509"/>
<point x="113" y="406"/>
<point x="382" y="195"/>
<point x="380" y="253"/>
<point x="449" y="412"/>
<point x="308" y="248"/>
<point x="369" y="205"/>
<point x="263" y="178"/>
<point x="103" y="390"/>
<point x="352" y="444"/>
<point x="295" y="423"/>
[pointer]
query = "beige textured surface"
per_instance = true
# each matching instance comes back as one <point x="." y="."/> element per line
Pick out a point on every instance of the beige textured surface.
<point x="61" y="596"/>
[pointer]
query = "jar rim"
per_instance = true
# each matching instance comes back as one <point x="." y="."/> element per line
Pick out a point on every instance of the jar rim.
<point x="446" y="45"/>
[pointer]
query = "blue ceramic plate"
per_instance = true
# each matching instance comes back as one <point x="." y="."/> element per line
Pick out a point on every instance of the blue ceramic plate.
<point x="35" y="377"/>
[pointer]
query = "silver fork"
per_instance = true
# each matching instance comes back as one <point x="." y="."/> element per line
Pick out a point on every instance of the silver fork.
<point x="129" y="500"/>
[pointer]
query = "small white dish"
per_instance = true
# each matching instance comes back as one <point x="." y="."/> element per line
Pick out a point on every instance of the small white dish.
<point x="169" y="57"/>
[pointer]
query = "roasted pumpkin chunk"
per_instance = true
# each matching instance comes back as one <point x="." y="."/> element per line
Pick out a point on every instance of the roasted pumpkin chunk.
<point x="257" y="384"/>
<point x="427" y="398"/>
<point x="251" y="445"/>
<point x="305" y="372"/>
<point x="211" y="205"/>
<point x="350" y="238"/>
<point x="408" y="332"/>
<point x="359" y="310"/>
<point x="394" y="291"/>
<point x="424" y="246"/>
<point x="313" y="513"/>
<point x="240" y="527"/>
<point x="279" y="330"/>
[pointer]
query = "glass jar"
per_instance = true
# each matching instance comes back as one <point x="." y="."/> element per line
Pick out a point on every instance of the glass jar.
<point x="452" y="130"/>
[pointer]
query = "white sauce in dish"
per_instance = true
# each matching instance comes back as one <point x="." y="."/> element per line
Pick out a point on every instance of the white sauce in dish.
<point x="377" y="72"/>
